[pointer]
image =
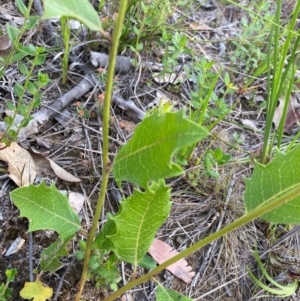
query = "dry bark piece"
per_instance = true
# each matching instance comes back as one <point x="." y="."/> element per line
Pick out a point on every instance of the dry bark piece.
<point x="128" y="105"/>
<point x="123" y="63"/>
<point x="21" y="167"/>
<point x="161" y="252"/>
<point x="9" y="17"/>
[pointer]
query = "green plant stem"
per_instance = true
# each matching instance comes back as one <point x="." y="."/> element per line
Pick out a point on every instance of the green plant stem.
<point x="105" y="144"/>
<point x="207" y="99"/>
<point x="280" y="74"/>
<point x="270" y="108"/>
<point x="269" y="205"/>
<point x="66" y="30"/>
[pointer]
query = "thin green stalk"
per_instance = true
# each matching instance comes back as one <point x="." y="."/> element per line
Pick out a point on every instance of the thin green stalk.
<point x="66" y="30"/>
<point x="270" y="109"/>
<point x="287" y="100"/>
<point x="274" y="202"/>
<point x="286" y="46"/>
<point x="291" y="144"/>
<point x="105" y="144"/>
<point x="279" y="78"/>
<point x="207" y="99"/>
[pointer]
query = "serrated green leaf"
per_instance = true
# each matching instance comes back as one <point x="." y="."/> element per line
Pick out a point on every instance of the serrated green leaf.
<point x="147" y="156"/>
<point x="46" y="208"/>
<point x="268" y="180"/>
<point x="82" y="10"/>
<point x="50" y="255"/>
<point x="138" y="220"/>
<point x="166" y="294"/>
<point x="102" y="242"/>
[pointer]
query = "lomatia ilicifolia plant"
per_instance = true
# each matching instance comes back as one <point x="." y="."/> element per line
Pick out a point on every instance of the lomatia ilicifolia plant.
<point x="127" y="235"/>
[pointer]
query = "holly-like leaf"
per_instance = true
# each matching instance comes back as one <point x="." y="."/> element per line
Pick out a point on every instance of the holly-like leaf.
<point x="102" y="241"/>
<point x="166" y="294"/>
<point x="147" y="156"/>
<point x="36" y="290"/>
<point x="138" y="219"/>
<point x="46" y="208"/>
<point x="50" y="255"/>
<point x="268" y="180"/>
<point x="81" y="10"/>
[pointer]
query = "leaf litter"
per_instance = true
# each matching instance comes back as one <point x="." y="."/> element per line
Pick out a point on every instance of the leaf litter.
<point x="197" y="200"/>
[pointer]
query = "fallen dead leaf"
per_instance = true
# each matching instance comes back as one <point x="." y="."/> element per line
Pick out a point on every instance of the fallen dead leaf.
<point x="127" y="297"/>
<point x="21" y="167"/>
<point x="250" y="123"/>
<point x="161" y="252"/>
<point x="199" y="26"/>
<point x="45" y="166"/>
<point x="292" y="114"/>
<point x="5" y="42"/>
<point x="15" y="246"/>
<point x="76" y="201"/>
<point x="61" y="173"/>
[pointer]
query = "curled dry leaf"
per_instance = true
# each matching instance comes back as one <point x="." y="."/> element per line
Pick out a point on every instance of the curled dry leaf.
<point x="292" y="114"/>
<point x="45" y="166"/>
<point x="21" y="167"/>
<point x="250" y="123"/>
<point x="61" y="173"/>
<point x="200" y="26"/>
<point x="127" y="297"/>
<point x="15" y="246"/>
<point x="161" y="252"/>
